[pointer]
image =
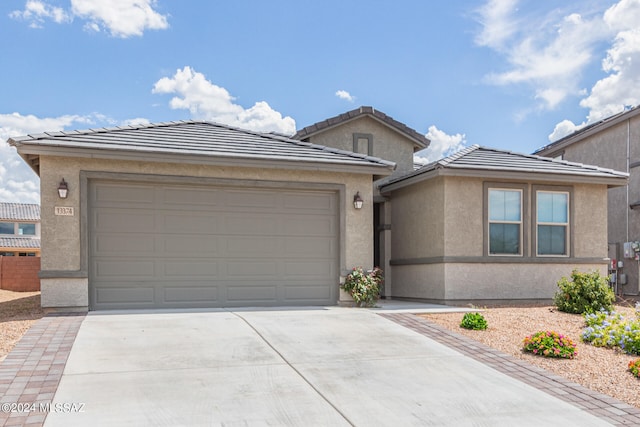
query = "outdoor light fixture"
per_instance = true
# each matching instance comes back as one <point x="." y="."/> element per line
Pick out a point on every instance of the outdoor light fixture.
<point x="357" y="201"/>
<point x="63" y="189"/>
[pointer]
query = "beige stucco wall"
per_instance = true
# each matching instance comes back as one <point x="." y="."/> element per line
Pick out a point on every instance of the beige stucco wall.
<point x="61" y="236"/>
<point x="438" y="237"/>
<point x="387" y="143"/>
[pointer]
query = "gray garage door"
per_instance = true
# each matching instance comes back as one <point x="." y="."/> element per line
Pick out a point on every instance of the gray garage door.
<point x="173" y="246"/>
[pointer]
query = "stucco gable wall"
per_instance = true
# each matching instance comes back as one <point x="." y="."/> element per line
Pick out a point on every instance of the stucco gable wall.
<point x="387" y="143"/>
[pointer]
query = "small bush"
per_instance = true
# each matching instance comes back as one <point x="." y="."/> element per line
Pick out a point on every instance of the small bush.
<point x="363" y="287"/>
<point x="473" y="321"/>
<point x="585" y="293"/>
<point x="604" y="329"/>
<point x="634" y="368"/>
<point x="550" y="344"/>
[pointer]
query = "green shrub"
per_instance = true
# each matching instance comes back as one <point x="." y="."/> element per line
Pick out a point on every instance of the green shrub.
<point x="585" y="293"/>
<point x="550" y="344"/>
<point x="363" y="287"/>
<point x="473" y="321"/>
<point x="604" y="329"/>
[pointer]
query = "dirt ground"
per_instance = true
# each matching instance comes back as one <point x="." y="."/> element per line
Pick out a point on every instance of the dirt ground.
<point x="18" y="311"/>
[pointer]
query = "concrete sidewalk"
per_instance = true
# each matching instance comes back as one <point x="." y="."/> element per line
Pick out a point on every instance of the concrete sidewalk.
<point x="334" y="366"/>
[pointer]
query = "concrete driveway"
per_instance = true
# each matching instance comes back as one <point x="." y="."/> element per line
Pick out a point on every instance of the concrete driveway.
<point x="306" y="367"/>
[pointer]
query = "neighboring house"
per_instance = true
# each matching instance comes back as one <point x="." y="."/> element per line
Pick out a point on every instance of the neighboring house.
<point x="19" y="229"/>
<point x="197" y="214"/>
<point x="487" y="225"/>
<point x="613" y="143"/>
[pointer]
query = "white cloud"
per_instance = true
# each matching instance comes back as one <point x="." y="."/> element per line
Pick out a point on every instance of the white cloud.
<point x="121" y="18"/>
<point x="343" y="94"/>
<point x="136" y="121"/>
<point x="548" y="51"/>
<point x="36" y="12"/>
<point x="441" y="145"/>
<point x="207" y="101"/>
<point x="621" y="87"/>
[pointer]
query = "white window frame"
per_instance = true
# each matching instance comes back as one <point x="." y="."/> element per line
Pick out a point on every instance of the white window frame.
<point x="567" y="234"/>
<point x="520" y="223"/>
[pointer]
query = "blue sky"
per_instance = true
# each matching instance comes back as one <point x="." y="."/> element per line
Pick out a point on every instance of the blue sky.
<point x="500" y="73"/>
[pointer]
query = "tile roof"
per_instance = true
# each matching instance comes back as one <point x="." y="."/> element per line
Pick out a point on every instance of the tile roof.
<point x="19" y="243"/>
<point x="589" y="130"/>
<point x="419" y="140"/>
<point x="488" y="160"/>
<point x="199" y="138"/>
<point x="19" y="212"/>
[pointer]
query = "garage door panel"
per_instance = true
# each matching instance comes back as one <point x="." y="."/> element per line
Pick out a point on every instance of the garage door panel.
<point x="306" y="293"/>
<point x="322" y="247"/>
<point x="190" y="246"/>
<point x="309" y="270"/>
<point x="264" y="199"/>
<point x="251" y="268"/>
<point x="197" y="223"/>
<point x="189" y="269"/>
<point x="191" y="294"/>
<point x="310" y="202"/>
<point x="179" y="197"/>
<point x="251" y="293"/>
<point x="125" y="221"/>
<point x="197" y="246"/>
<point x="130" y="195"/>
<point x="123" y="244"/>
<point x="135" y="293"/>
<point x="251" y="224"/>
<point x="123" y="269"/>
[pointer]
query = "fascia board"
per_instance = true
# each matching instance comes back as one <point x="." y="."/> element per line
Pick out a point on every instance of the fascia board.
<point x="57" y="151"/>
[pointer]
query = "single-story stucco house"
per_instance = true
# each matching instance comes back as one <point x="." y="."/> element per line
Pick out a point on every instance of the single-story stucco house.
<point x="198" y="214"/>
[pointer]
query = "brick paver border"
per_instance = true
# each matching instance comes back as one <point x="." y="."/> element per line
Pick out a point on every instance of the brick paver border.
<point x="31" y="372"/>
<point x="606" y="407"/>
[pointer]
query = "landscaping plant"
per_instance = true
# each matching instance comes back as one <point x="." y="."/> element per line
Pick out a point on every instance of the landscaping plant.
<point x="610" y="329"/>
<point x="363" y="287"/>
<point x="473" y="321"/>
<point x="634" y="368"/>
<point x="584" y="293"/>
<point x="550" y="344"/>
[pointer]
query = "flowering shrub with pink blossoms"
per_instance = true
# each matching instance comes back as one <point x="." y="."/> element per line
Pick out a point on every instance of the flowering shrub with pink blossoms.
<point x="550" y="344"/>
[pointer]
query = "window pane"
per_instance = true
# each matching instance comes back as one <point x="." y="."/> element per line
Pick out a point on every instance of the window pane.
<point x="552" y="240"/>
<point x="553" y="207"/>
<point x="6" y="228"/>
<point x="27" y="229"/>
<point x="504" y="239"/>
<point x="504" y="205"/>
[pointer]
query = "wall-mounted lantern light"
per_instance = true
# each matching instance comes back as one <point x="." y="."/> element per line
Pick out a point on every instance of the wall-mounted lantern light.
<point x="357" y="201"/>
<point x="63" y="189"/>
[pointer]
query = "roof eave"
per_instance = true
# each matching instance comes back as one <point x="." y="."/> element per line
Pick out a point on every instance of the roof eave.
<point x="610" y="182"/>
<point x="36" y="150"/>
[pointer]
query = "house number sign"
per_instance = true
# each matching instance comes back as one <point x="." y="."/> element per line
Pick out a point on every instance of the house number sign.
<point x="63" y="211"/>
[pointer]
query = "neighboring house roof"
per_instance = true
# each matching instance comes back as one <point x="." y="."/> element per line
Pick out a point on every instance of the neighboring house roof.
<point x="588" y="131"/>
<point x="195" y="142"/>
<point x="419" y="140"/>
<point x="19" y="212"/>
<point x="19" y="243"/>
<point x="492" y="163"/>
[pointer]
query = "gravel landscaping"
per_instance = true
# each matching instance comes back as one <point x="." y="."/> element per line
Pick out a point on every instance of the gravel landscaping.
<point x="18" y="311"/>
<point x="599" y="369"/>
